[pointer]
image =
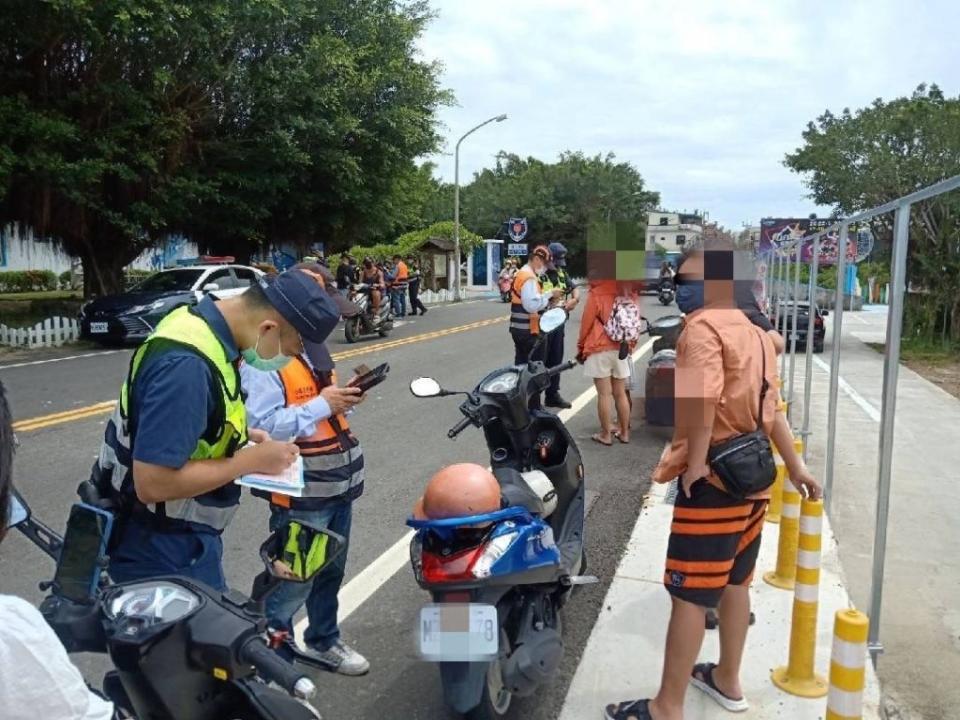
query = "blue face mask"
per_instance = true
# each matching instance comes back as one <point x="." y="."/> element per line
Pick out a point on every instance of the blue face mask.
<point x="690" y="296"/>
<point x="252" y="358"/>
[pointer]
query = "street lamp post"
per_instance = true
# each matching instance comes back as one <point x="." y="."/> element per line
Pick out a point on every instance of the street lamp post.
<point x="456" y="203"/>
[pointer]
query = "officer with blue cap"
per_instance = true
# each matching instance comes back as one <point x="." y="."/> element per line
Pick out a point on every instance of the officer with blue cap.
<point x="178" y="437"/>
<point x="556" y="276"/>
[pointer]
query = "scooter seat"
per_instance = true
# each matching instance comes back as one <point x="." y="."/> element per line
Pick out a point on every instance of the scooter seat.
<point x="516" y="492"/>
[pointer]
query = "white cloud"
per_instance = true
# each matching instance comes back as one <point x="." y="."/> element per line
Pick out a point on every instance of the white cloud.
<point x="703" y="97"/>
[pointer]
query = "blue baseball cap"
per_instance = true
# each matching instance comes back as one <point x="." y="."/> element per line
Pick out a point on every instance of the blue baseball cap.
<point x="559" y="254"/>
<point x="302" y="303"/>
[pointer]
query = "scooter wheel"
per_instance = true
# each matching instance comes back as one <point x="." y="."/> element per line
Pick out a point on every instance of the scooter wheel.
<point x="496" y="698"/>
<point x="351" y="330"/>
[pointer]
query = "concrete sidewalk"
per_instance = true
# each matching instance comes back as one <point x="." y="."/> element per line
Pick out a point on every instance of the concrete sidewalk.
<point x="624" y="656"/>
<point x="920" y="619"/>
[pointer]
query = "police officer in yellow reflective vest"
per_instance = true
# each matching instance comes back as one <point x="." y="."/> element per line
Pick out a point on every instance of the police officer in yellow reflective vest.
<point x="302" y="401"/>
<point x="175" y="443"/>
<point x="556" y="276"/>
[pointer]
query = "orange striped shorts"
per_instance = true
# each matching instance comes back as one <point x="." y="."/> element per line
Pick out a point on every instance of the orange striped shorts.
<point x="714" y="542"/>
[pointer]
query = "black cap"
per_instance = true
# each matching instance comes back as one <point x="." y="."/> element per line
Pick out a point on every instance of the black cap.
<point x="302" y="303"/>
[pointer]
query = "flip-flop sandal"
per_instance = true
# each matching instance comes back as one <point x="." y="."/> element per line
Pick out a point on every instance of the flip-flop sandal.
<point x="705" y="684"/>
<point x="596" y="439"/>
<point x="629" y="710"/>
<point x="620" y="438"/>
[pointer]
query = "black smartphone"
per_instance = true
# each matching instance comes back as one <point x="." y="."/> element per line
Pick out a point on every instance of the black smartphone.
<point x="84" y="549"/>
<point x="371" y="378"/>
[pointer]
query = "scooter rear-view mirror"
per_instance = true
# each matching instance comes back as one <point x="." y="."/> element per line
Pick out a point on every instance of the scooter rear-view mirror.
<point x="423" y="387"/>
<point x="19" y="511"/>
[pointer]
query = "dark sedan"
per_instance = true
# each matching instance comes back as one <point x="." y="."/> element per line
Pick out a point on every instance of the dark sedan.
<point x="131" y="316"/>
<point x="785" y="324"/>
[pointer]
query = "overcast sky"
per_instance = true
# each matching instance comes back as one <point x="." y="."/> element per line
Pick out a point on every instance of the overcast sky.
<point x="704" y="98"/>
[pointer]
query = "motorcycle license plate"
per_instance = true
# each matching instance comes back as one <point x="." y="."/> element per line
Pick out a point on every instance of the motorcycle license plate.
<point x="99" y="327"/>
<point x="459" y="632"/>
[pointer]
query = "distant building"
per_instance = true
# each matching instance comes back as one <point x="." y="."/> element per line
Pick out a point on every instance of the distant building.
<point x="673" y="231"/>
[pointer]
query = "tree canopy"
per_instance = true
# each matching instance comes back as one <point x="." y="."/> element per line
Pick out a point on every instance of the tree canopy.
<point x="233" y="121"/>
<point x="862" y="159"/>
<point x="560" y="200"/>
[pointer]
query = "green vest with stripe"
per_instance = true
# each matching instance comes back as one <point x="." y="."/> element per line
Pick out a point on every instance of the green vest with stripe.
<point x="212" y="510"/>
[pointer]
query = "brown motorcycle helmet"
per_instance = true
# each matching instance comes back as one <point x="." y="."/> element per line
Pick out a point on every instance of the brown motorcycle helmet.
<point x="459" y="490"/>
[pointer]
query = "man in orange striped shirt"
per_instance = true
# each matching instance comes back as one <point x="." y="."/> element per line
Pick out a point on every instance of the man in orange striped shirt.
<point x="722" y="362"/>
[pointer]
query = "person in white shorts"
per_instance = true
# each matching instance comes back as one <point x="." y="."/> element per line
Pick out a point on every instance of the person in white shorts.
<point x="600" y="357"/>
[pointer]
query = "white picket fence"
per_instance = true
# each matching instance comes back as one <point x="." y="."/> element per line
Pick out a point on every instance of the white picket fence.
<point x="48" y="333"/>
<point x="429" y="297"/>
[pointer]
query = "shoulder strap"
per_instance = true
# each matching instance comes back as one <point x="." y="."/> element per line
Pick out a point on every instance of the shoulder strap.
<point x="764" y="385"/>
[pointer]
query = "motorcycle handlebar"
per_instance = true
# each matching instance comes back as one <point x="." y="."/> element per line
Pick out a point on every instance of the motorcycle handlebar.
<point x="562" y="367"/>
<point x="458" y="428"/>
<point x="274" y="668"/>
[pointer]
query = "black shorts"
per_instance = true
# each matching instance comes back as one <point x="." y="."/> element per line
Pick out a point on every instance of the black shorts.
<point x="714" y="542"/>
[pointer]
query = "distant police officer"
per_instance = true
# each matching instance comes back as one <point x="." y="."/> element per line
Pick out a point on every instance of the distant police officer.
<point x="556" y="277"/>
<point x="527" y="301"/>
<point x="175" y="443"/>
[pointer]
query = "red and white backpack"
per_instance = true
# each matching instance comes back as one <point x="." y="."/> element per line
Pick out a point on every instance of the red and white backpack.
<point x="625" y="323"/>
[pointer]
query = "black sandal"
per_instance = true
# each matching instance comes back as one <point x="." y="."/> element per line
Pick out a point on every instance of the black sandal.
<point x="706" y="684"/>
<point x="629" y="710"/>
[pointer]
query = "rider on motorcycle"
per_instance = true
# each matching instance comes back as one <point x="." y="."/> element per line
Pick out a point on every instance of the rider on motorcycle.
<point x="373" y="277"/>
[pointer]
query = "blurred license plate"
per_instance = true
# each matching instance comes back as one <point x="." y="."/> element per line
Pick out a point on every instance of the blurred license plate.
<point x="99" y="327"/>
<point x="459" y="632"/>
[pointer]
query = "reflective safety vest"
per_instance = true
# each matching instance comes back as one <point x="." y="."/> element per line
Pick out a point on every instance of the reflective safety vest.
<point x="401" y="275"/>
<point x="212" y="510"/>
<point x="522" y="321"/>
<point x="332" y="457"/>
<point x="547" y="284"/>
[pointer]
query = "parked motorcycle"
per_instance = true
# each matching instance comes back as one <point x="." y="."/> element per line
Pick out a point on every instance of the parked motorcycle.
<point x="659" y="386"/>
<point x="363" y="322"/>
<point x="509" y="572"/>
<point x="181" y="650"/>
<point x="666" y="292"/>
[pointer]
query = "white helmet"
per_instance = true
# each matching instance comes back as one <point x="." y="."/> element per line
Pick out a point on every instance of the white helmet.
<point x="538" y="481"/>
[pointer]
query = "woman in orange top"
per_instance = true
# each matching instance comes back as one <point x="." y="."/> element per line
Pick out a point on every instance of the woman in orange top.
<point x="600" y="357"/>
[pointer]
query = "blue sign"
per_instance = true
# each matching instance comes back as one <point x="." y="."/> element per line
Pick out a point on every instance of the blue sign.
<point x="517" y="229"/>
<point x="516" y="249"/>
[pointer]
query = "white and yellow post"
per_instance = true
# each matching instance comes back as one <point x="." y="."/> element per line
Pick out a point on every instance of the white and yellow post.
<point x="847" y="666"/>
<point x="798" y="676"/>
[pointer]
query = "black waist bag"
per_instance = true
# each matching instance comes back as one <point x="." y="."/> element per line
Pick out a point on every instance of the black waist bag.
<point x="744" y="463"/>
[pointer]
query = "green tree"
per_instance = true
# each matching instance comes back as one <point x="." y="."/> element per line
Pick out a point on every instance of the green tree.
<point x="861" y="159"/>
<point x="236" y="121"/>
<point x="559" y="199"/>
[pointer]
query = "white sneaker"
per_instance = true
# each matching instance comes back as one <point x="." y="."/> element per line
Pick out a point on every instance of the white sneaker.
<point x="345" y="659"/>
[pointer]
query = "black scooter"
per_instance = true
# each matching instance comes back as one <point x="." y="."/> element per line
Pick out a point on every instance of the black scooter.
<point x="506" y="574"/>
<point x="182" y="650"/>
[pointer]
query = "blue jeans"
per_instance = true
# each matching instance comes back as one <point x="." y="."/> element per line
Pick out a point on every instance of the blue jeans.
<point x="144" y="553"/>
<point x="398" y="298"/>
<point x="320" y="595"/>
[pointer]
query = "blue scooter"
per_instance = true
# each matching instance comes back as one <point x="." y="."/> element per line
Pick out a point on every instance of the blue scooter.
<point x="499" y="580"/>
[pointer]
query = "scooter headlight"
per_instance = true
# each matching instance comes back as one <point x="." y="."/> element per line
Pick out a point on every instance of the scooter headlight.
<point x="503" y="383"/>
<point x="153" y="603"/>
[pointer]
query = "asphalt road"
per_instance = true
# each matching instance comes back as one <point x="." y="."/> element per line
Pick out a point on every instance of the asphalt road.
<point x="404" y="440"/>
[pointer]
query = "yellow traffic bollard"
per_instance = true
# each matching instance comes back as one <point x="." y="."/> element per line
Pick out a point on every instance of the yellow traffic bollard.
<point x="786" y="570"/>
<point x="847" y="675"/>
<point x="798" y="676"/>
<point x="775" y="509"/>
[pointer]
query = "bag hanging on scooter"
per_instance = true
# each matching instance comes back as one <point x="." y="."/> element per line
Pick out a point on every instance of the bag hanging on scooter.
<point x="745" y="463"/>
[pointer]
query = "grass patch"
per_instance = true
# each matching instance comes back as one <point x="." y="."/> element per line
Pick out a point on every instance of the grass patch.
<point x="43" y="295"/>
<point x="933" y="353"/>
